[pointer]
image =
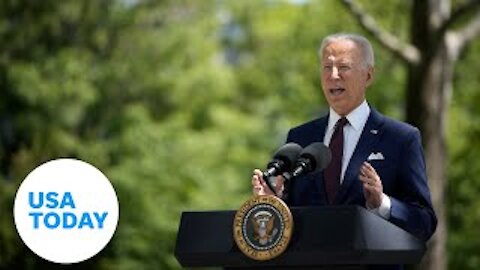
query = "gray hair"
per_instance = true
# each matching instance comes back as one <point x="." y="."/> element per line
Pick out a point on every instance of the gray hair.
<point x="362" y="42"/>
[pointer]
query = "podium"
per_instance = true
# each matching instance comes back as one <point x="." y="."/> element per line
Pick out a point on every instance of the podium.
<point x="329" y="237"/>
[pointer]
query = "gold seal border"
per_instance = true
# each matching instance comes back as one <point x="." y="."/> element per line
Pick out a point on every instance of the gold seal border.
<point x="281" y="246"/>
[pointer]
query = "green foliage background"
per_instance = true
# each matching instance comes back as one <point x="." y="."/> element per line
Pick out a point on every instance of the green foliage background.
<point x="177" y="101"/>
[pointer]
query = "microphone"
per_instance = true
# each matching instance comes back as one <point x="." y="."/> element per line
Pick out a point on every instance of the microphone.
<point x="283" y="160"/>
<point x="313" y="158"/>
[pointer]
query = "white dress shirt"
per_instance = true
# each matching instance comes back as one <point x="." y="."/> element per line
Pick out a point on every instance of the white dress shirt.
<point x="352" y="132"/>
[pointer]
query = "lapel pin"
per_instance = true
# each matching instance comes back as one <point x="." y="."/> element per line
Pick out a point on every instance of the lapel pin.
<point x="374" y="131"/>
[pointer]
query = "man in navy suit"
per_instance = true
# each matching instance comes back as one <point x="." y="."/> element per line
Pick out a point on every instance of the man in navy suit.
<point x="377" y="162"/>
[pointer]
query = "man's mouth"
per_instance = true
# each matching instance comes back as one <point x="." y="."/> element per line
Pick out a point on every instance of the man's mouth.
<point x="336" y="91"/>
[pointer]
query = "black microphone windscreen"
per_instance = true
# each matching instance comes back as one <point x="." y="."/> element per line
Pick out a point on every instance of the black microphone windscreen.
<point x="319" y="154"/>
<point x="288" y="153"/>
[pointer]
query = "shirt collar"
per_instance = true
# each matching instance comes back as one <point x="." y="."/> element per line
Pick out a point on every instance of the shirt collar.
<point x="357" y="118"/>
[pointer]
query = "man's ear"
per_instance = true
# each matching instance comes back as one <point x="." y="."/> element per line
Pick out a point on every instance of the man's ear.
<point x="370" y="73"/>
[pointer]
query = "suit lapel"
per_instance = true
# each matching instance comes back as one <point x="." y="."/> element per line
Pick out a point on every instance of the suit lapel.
<point x="318" y="177"/>
<point x="370" y="135"/>
<point x="321" y="126"/>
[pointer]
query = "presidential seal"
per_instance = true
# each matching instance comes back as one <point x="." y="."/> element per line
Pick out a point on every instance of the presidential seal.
<point x="263" y="227"/>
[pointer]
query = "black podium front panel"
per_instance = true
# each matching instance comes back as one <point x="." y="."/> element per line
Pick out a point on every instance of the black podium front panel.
<point x="334" y="235"/>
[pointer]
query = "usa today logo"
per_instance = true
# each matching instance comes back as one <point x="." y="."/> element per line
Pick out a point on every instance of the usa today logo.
<point x="66" y="211"/>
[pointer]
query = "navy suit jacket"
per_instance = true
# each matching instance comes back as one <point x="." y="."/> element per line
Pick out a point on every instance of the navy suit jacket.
<point x="402" y="172"/>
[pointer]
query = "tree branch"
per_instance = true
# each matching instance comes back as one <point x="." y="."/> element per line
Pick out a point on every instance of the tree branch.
<point x="405" y="51"/>
<point x="460" y="12"/>
<point x="457" y="40"/>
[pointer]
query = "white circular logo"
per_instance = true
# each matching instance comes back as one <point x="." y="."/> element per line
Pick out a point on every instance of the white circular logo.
<point x="66" y="211"/>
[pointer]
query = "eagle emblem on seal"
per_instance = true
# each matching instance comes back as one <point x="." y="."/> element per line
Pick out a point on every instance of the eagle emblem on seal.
<point x="263" y="227"/>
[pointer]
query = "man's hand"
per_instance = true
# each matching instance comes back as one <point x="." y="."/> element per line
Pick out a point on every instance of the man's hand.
<point x="372" y="185"/>
<point x="261" y="188"/>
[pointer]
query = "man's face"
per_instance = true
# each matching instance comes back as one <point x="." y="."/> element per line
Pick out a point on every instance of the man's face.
<point x="345" y="77"/>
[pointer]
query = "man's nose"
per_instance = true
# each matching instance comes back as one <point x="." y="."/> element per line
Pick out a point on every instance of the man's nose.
<point x="334" y="74"/>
